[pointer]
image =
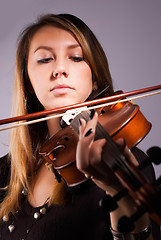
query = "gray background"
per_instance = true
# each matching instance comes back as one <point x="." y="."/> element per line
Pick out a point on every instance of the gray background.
<point x="129" y="31"/>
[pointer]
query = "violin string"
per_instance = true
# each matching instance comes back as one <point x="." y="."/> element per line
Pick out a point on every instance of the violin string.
<point x="112" y="155"/>
<point x="81" y="110"/>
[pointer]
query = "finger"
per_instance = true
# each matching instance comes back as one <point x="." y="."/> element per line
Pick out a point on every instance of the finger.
<point x="89" y="155"/>
<point x="127" y="152"/>
<point x="91" y="124"/>
<point x="130" y="156"/>
<point x="83" y="150"/>
<point x="82" y="127"/>
<point x="95" y="155"/>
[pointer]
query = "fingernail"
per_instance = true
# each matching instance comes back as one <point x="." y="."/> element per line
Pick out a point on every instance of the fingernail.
<point x="92" y="113"/>
<point x="89" y="132"/>
<point x="80" y="122"/>
<point x="124" y="143"/>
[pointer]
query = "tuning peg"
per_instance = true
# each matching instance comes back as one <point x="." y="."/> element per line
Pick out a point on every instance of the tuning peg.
<point x="126" y="224"/>
<point x="154" y="156"/>
<point x="109" y="203"/>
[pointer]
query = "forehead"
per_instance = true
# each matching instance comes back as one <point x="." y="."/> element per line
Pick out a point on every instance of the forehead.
<point x="50" y="35"/>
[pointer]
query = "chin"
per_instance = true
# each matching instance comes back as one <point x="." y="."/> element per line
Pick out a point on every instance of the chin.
<point x="62" y="102"/>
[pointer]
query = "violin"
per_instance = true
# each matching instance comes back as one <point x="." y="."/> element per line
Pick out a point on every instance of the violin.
<point x="117" y="118"/>
<point x="120" y="120"/>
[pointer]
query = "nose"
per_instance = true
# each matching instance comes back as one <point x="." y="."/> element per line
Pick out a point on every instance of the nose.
<point x="60" y="70"/>
<point x="59" y="73"/>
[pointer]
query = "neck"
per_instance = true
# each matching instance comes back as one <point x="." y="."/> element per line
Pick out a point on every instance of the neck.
<point x="42" y="186"/>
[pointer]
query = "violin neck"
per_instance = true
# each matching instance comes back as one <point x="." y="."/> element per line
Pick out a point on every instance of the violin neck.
<point x="112" y="155"/>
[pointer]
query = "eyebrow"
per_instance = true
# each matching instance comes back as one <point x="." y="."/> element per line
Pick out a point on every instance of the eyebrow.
<point x="72" y="46"/>
<point x="43" y="47"/>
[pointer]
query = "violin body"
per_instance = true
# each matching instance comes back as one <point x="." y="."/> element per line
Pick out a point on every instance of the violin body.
<point x="122" y="120"/>
<point x="125" y="120"/>
<point x="60" y="151"/>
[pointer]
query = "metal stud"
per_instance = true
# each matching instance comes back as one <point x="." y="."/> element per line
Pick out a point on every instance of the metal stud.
<point x="11" y="228"/>
<point x="43" y="210"/>
<point x="36" y="215"/>
<point x="5" y="218"/>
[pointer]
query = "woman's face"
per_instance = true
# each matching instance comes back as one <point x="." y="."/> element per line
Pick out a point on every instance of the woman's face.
<point x="57" y="70"/>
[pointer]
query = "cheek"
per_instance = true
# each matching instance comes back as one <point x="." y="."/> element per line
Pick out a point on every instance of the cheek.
<point x="86" y="77"/>
<point x="37" y="85"/>
<point x="84" y="82"/>
<point x="36" y="76"/>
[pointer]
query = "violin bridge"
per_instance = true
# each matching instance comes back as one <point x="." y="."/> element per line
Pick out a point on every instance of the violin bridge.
<point x="71" y="114"/>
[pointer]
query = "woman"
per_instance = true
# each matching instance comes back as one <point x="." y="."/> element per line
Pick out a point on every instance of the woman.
<point x="59" y="62"/>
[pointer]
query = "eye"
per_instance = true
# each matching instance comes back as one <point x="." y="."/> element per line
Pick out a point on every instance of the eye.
<point x="77" y="59"/>
<point x="45" y="60"/>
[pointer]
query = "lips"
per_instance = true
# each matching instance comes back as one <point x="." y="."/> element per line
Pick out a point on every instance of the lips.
<point x="61" y="88"/>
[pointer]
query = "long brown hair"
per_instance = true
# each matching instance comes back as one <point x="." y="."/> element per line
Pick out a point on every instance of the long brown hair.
<point x="26" y="141"/>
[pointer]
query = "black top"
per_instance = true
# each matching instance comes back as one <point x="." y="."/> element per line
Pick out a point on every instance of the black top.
<point x="80" y="218"/>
